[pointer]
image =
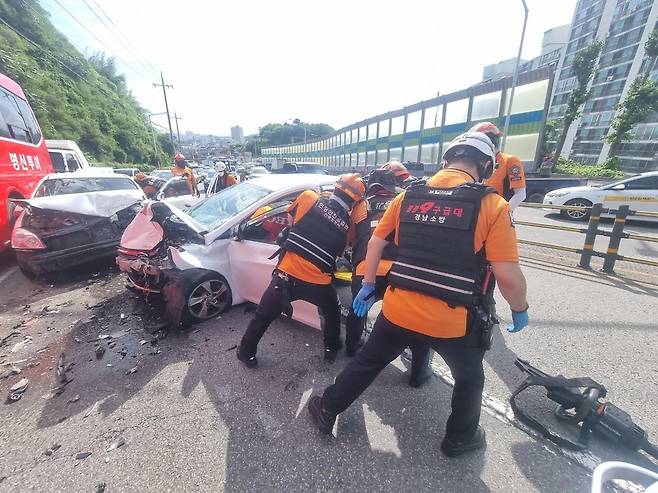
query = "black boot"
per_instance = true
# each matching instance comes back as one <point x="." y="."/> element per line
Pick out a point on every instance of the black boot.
<point x="417" y="381"/>
<point x="248" y="361"/>
<point x="453" y="448"/>
<point x="322" y="418"/>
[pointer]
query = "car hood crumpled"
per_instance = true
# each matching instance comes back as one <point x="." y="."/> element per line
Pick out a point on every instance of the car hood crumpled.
<point x="142" y="233"/>
<point x="101" y="204"/>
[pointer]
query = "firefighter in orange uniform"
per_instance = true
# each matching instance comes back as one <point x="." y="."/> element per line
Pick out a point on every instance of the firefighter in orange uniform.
<point x="508" y="178"/>
<point x="308" y="256"/>
<point x="439" y="287"/>
<point x="180" y="168"/>
<point x="365" y="216"/>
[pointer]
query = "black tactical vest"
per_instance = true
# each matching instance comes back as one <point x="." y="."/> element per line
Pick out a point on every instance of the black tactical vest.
<point x="377" y="205"/>
<point x="320" y="235"/>
<point x="435" y="243"/>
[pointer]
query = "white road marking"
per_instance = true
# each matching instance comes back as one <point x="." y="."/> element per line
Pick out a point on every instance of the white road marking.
<point x="8" y="273"/>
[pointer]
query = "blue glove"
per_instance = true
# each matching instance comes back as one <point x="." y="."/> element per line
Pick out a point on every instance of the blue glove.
<point x="519" y="321"/>
<point x="364" y="300"/>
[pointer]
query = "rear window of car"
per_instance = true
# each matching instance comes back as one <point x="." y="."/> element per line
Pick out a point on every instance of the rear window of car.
<point x="64" y="186"/>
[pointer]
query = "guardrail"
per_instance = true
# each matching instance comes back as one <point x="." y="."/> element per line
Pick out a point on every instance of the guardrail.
<point x="611" y="256"/>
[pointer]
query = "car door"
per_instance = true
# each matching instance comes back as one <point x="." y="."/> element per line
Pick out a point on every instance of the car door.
<point x="249" y="253"/>
<point x="640" y="193"/>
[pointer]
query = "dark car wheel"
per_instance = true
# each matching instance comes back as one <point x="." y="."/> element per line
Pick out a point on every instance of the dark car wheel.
<point x="26" y="270"/>
<point x="207" y="297"/>
<point x="577" y="215"/>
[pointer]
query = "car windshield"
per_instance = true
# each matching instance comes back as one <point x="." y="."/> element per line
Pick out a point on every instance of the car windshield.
<point x="64" y="186"/>
<point x="219" y="208"/>
<point x="161" y="174"/>
<point x="259" y="171"/>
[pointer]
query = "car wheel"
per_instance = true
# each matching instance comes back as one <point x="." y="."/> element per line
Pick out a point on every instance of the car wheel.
<point x="26" y="270"/>
<point x="207" y="297"/>
<point x="577" y="215"/>
<point x="536" y="198"/>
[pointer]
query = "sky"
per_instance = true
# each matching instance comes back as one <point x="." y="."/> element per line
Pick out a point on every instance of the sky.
<point x="252" y="62"/>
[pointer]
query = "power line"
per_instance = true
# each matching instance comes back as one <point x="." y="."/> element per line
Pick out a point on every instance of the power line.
<point x="136" y="52"/>
<point x="117" y="37"/>
<point x="47" y="52"/>
<point x="97" y="39"/>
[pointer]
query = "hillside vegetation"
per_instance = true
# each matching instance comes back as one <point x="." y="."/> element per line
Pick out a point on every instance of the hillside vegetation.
<point x="73" y="97"/>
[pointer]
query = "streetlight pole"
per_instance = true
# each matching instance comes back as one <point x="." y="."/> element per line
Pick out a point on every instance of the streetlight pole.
<point x="515" y="78"/>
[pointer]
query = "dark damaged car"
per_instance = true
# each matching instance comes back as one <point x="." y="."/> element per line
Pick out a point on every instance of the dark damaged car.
<point x="72" y="219"/>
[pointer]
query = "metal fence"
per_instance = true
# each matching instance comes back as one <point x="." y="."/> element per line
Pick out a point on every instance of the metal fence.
<point x="616" y="235"/>
<point x="417" y="133"/>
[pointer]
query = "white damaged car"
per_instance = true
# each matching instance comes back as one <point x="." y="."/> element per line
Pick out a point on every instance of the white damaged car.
<point x="216" y="254"/>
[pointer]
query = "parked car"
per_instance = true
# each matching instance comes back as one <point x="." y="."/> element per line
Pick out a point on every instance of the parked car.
<point x="131" y="172"/>
<point x="66" y="156"/>
<point x="165" y="174"/>
<point x="258" y="171"/>
<point x="640" y="192"/>
<point x="217" y="254"/>
<point x="73" y="218"/>
<point x="537" y="188"/>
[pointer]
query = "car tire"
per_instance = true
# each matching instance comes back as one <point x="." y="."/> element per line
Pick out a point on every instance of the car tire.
<point x="207" y="297"/>
<point x="577" y="215"/>
<point x="536" y="198"/>
<point x="26" y="270"/>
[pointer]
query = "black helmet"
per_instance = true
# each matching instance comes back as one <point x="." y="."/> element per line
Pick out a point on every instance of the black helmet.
<point x="382" y="179"/>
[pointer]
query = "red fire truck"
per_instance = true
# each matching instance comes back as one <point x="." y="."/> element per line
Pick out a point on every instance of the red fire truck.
<point x="24" y="158"/>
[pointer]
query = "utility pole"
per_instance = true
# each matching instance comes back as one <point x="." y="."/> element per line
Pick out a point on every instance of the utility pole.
<point x="164" y="92"/>
<point x="176" y="117"/>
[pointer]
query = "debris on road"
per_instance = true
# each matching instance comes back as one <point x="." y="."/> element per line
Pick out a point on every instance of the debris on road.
<point x="82" y="455"/>
<point x="14" y="370"/>
<point x="131" y="371"/>
<point x="53" y="448"/>
<point x="73" y="399"/>
<point x="62" y="368"/>
<point x="100" y="487"/>
<point x="92" y="409"/>
<point x="116" y="444"/>
<point x="232" y="348"/>
<point x="16" y="391"/>
<point x="100" y="351"/>
<point x="20" y="345"/>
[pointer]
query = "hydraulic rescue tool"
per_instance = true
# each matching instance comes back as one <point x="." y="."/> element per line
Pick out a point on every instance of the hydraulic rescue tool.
<point x="580" y="401"/>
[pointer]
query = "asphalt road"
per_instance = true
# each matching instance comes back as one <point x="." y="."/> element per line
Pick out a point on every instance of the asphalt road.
<point x="193" y="419"/>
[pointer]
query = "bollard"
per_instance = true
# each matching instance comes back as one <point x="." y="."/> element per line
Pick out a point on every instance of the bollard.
<point x="590" y="236"/>
<point x="615" y="239"/>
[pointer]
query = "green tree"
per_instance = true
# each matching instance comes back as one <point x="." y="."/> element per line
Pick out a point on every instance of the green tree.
<point x="549" y="136"/>
<point x="583" y="69"/>
<point x="640" y="101"/>
<point x="75" y="98"/>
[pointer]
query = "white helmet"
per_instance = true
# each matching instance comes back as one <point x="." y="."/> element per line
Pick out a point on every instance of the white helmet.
<point x="221" y="167"/>
<point x="475" y="145"/>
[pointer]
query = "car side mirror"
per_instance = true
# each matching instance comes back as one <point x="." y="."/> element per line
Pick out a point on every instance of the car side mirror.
<point x="620" y="186"/>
